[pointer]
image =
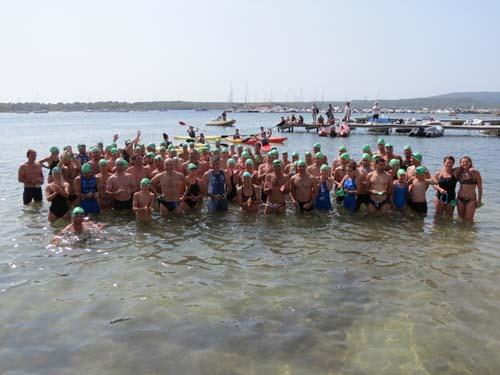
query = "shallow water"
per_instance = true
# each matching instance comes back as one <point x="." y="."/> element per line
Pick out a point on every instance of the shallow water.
<point x="316" y="293"/>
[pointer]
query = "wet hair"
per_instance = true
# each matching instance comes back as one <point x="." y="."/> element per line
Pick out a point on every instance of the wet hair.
<point x="352" y="165"/>
<point x="449" y="157"/>
<point x="379" y="159"/>
<point x="468" y="158"/>
<point x="215" y="159"/>
<point x="29" y="152"/>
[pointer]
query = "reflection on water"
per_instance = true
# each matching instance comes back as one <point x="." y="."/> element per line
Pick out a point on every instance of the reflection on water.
<point x="244" y="294"/>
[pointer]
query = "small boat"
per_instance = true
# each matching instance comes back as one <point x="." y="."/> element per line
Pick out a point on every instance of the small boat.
<point x="457" y="122"/>
<point x="380" y="126"/>
<point x="189" y="139"/>
<point x="432" y="130"/>
<point x="216" y="122"/>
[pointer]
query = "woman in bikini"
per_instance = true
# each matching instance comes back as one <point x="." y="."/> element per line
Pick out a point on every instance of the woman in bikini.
<point x="469" y="179"/>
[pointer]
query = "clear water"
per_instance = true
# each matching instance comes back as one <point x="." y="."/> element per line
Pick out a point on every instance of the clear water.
<point x="332" y="293"/>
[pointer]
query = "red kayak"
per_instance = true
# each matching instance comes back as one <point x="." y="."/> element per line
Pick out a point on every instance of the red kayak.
<point x="254" y="140"/>
<point x="344" y="130"/>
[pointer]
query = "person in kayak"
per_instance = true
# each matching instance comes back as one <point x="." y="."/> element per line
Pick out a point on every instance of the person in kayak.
<point x="264" y="136"/>
<point x="191" y="131"/>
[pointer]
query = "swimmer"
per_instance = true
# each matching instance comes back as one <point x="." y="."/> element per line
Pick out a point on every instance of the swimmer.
<point x="349" y="186"/>
<point x="389" y="154"/>
<point x="70" y="170"/>
<point x="381" y="148"/>
<point x="121" y="186"/>
<point x="149" y="163"/>
<point x="30" y="174"/>
<point x="86" y="190"/>
<point x="364" y="170"/>
<point x="470" y="180"/>
<point x="367" y="150"/>
<point x="288" y="169"/>
<point x="408" y="157"/>
<point x="325" y="186"/>
<point x="193" y="196"/>
<point x="338" y="162"/>
<point x="417" y="200"/>
<point x="400" y="190"/>
<point x="276" y="186"/>
<point x="172" y="183"/>
<point x="446" y="178"/>
<point x="380" y="187"/>
<point x="340" y="172"/>
<point x="51" y="162"/>
<point x="77" y="226"/>
<point x="248" y="194"/>
<point x="302" y="189"/>
<point x="233" y="178"/>
<point x="315" y="169"/>
<point x="57" y="193"/>
<point x="143" y="202"/>
<point x="214" y="185"/>
<point x="82" y="156"/>
<point x="105" y="201"/>
<point x="159" y="166"/>
<point x="95" y="157"/>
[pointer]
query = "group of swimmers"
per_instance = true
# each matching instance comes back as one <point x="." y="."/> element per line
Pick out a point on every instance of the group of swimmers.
<point x="142" y="178"/>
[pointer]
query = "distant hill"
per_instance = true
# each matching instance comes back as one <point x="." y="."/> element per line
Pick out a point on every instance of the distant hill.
<point x="457" y="100"/>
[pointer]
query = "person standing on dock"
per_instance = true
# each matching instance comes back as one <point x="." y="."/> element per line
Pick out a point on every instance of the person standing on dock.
<point x="347" y="112"/>
<point x="314" y="111"/>
<point x="376" y="113"/>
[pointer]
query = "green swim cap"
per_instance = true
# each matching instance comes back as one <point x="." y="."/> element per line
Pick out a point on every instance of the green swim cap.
<point x="381" y="141"/>
<point x="192" y="166"/>
<point x="307" y="153"/>
<point x="366" y="148"/>
<point x="301" y="163"/>
<point x="366" y="156"/>
<point x="342" y="149"/>
<point x="246" y="174"/>
<point x="171" y="147"/>
<point x="317" y="145"/>
<point x="407" y="147"/>
<point x="277" y="163"/>
<point x="232" y="161"/>
<point x="245" y="155"/>
<point x="340" y="193"/>
<point x="274" y="148"/>
<point x="114" y="144"/>
<point x="103" y="163"/>
<point x="420" y="170"/>
<point x="319" y="155"/>
<point x="401" y="172"/>
<point x="295" y="154"/>
<point x="224" y="150"/>
<point x="206" y="147"/>
<point x="184" y="146"/>
<point x="121" y="162"/>
<point x="163" y="143"/>
<point x="257" y="159"/>
<point x="249" y="162"/>
<point x="389" y="145"/>
<point x="216" y="150"/>
<point x="151" y="145"/>
<point x="109" y="147"/>
<point x="324" y="167"/>
<point x="56" y="170"/>
<point x="158" y="158"/>
<point x="114" y="150"/>
<point x="95" y="149"/>
<point x="418" y="156"/>
<point x="150" y="154"/>
<point x="80" y="146"/>
<point x="77" y="211"/>
<point x="163" y="149"/>
<point x="86" y="168"/>
<point x="345" y="156"/>
<point x="394" y="163"/>
<point x="145" y="181"/>
<point x="54" y="150"/>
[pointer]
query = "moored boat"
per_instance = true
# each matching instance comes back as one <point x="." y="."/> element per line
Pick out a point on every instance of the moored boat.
<point x="215" y="122"/>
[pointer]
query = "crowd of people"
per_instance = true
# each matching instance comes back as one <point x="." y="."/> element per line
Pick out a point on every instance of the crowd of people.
<point x="144" y="178"/>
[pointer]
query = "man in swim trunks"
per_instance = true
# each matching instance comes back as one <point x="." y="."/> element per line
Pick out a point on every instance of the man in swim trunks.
<point x="417" y="200"/>
<point x="215" y="184"/>
<point x="172" y="185"/>
<point x="380" y="187"/>
<point x="121" y="186"/>
<point x="102" y="177"/>
<point x="31" y="175"/>
<point x="303" y="188"/>
<point x="288" y="169"/>
<point x="276" y="187"/>
<point x="57" y="193"/>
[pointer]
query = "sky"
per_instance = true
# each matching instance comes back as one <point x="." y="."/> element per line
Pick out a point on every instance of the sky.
<point x="194" y="50"/>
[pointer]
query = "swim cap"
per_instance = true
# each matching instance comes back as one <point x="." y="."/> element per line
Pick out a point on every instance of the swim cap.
<point x="158" y="158"/>
<point x="245" y="155"/>
<point x="103" y="163"/>
<point x="54" y="150"/>
<point x="224" y="150"/>
<point x="206" y="147"/>
<point x="301" y="163"/>
<point x="145" y="181"/>
<point x="171" y="147"/>
<point x="95" y="149"/>
<point x="407" y="147"/>
<point x="317" y="145"/>
<point x="319" y="155"/>
<point x="381" y="141"/>
<point x="232" y="161"/>
<point x="192" y="166"/>
<point x="114" y="144"/>
<point x="342" y="149"/>
<point x="163" y="143"/>
<point x="56" y="170"/>
<point x="150" y="154"/>
<point x="366" y="148"/>
<point x="246" y="175"/>
<point x="274" y="148"/>
<point x="277" y="163"/>
<point x="307" y="153"/>
<point x="216" y="150"/>
<point x="345" y="156"/>
<point x="388" y="145"/>
<point x="394" y="163"/>
<point x="121" y="163"/>
<point x="401" y="172"/>
<point x="366" y="156"/>
<point x="151" y="145"/>
<point x="86" y="168"/>
<point x="295" y="154"/>
<point x="418" y="156"/>
<point x="114" y="150"/>
<point x="324" y="167"/>
<point x="184" y="145"/>
<point x="80" y="146"/>
<point x="420" y="170"/>
<point x="163" y="149"/>
<point x="340" y="193"/>
<point x="77" y="211"/>
<point x="109" y="147"/>
<point x="249" y="162"/>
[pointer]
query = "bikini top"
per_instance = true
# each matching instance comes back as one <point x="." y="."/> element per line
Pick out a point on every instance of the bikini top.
<point x="466" y="178"/>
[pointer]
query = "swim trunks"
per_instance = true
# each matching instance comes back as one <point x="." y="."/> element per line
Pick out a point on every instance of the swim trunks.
<point x="122" y="205"/>
<point x="32" y="193"/>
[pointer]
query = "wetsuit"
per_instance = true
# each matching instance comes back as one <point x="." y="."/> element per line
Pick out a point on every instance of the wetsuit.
<point x="449" y="184"/>
<point x="323" y="201"/>
<point x="89" y="185"/>
<point x="193" y="190"/>
<point x="217" y="186"/>
<point x="59" y="206"/>
<point x="400" y="195"/>
<point x="350" y="198"/>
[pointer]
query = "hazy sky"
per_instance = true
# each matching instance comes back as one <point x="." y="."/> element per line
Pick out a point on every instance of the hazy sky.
<point x="195" y="50"/>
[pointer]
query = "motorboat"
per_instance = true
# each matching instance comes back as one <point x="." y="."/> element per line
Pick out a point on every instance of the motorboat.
<point x="432" y="129"/>
<point x="381" y="126"/>
<point x="220" y="122"/>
